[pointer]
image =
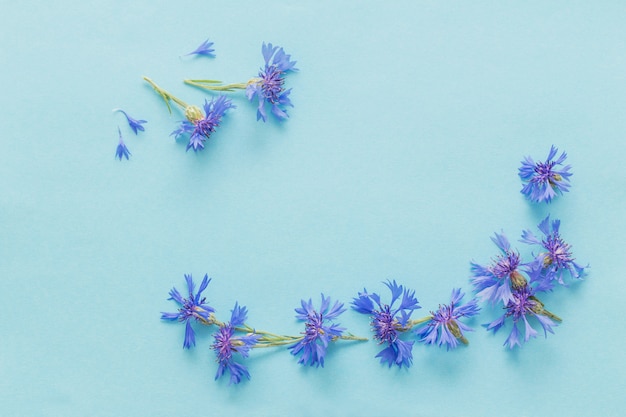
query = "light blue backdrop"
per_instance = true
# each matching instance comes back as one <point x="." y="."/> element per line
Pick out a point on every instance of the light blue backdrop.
<point x="399" y="161"/>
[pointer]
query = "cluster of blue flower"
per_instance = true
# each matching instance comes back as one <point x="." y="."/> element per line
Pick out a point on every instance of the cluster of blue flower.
<point x="507" y="280"/>
<point x="267" y="88"/>
<point x="234" y="339"/>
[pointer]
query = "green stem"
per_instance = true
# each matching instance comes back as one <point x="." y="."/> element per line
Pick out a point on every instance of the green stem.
<point x="540" y="310"/>
<point x="413" y="323"/>
<point x="269" y="339"/>
<point x="247" y="329"/>
<point x="207" y="85"/>
<point x="350" y="336"/>
<point x="267" y="344"/>
<point x="552" y="316"/>
<point x="167" y="97"/>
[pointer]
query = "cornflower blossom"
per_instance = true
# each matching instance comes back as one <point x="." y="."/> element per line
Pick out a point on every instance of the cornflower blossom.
<point x="204" y="49"/>
<point x="193" y="307"/>
<point x="200" y="126"/>
<point x="318" y="333"/>
<point x="388" y="322"/>
<point x="543" y="181"/>
<point x="557" y="257"/>
<point x="521" y="307"/>
<point x="134" y="124"/>
<point x="269" y="86"/>
<point x="444" y="327"/>
<point x="227" y="345"/>
<point x="493" y="283"/>
<point x="121" y="151"/>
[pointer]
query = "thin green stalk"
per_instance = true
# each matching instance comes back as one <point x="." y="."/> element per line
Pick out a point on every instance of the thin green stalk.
<point x="206" y="84"/>
<point x="167" y="97"/>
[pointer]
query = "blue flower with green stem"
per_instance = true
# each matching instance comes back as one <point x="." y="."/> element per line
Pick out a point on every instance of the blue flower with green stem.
<point x="389" y="321"/>
<point x="545" y="180"/>
<point x="319" y="331"/>
<point x="556" y="257"/>
<point x="444" y="326"/>
<point x="228" y="345"/>
<point x="192" y="308"/>
<point x="493" y="282"/>
<point x="268" y="87"/>
<point x="521" y="308"/>
<point x="198" y="125"/>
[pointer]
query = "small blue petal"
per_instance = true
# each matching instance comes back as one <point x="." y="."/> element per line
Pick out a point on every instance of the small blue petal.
<point x="204" y="49"/>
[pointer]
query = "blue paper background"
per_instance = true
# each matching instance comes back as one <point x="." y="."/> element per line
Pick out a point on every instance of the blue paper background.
<point x="398" y="162"/>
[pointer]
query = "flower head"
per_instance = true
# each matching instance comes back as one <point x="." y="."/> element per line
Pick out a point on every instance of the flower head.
<point x="134" y="124"/>
<point x="493" y="283"/>
<point x="318" y="333"/>
<point x="557" y="257"/>
<point x="121" y="150"/>
<point x="192" y="307"/>
<point x="204" y="49"/>
<point x="389" y="321"/>
<point x="444" y="327"/>
<point x="542" y="180"/>
<point x="200" y="126"/>
<point x="522" y="306"/>
<point x="227" y="345"/>
<point x="269" y="86"/>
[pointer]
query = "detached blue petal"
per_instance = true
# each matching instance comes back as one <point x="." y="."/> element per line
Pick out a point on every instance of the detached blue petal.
<point x="204" y="49"/>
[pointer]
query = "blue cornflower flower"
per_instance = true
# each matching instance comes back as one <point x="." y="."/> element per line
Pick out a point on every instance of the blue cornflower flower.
<point x="192" y="307"/>
<point x="388" y="322"/>
<point x="444" y="326"/>
<point x="134" y="124"/>
<point x="227" y="344"/>
<point x="557" y="257"/>
<point x="121" y="150"/>
<point x="317" y="334"/>
<point x="542" y="180"/>
<point x="268" y="87"/>
<point x="523" y="305"/>
<point x="204" y="49"/>
<point x="493" y="283"/>
<point x="199" y="126"/>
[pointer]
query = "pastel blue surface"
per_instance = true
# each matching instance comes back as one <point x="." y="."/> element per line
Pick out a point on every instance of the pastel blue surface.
<point x="399" y="162"/>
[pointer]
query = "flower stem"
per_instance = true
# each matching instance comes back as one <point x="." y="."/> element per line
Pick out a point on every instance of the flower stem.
<point x="552" y="316"/>
<point x="350" y="336"/>
<point x="413" y="323"/>
<point x="167" y="97"/>
<point x="540" y="310"/>
<point x="209" y="85"/>
<point x="247" y="329"/>
<point x="211" y="321"/>
<point x="267" y="342"/>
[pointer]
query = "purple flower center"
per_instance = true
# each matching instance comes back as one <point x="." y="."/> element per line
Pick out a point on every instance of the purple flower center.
<point x="272" y="83"/>
<point x="559" y="253"/>
<point x="521" y="304"/>
<point x="444" y="315"/>
<point x="313" y="327"/>
<point x="385" y="325"/>
<point x="190" y="308"/>
<point x="204" y="127"/>
<point x="223" y="343"/>
<point x="545" y="174"/>
<point x="505" y="265"/>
